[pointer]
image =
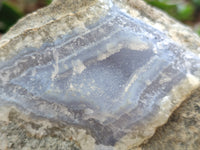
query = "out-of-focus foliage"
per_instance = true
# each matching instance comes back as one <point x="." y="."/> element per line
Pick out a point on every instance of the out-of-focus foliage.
<point x="181" y="11"/>
<point x="12" y="10"/>
<point x="9" y="14"/>
<point x="187" y="11"/>
<point x="197" y="2"/>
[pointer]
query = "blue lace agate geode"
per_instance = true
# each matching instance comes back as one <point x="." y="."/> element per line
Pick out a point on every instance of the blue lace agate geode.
<point x="110" y="80"/>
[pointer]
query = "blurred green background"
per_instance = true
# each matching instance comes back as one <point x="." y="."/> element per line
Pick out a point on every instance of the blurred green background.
<point x="186" y="11"/>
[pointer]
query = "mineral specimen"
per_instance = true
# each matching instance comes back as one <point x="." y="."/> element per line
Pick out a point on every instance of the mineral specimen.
<point x="98" y="69"/>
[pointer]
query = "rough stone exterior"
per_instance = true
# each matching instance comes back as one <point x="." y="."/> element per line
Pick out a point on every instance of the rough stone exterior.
<point x="182" y="131"/>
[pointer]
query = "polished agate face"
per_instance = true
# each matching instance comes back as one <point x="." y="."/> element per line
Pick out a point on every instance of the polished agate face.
<point x="110" y="79"/>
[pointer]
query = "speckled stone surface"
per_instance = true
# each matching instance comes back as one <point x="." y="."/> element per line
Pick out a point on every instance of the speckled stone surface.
<point x="182" y="131"/>
<point x="99" y="75"/>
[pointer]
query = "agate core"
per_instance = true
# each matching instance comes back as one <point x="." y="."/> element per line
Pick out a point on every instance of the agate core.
<point x="114" y="79"/>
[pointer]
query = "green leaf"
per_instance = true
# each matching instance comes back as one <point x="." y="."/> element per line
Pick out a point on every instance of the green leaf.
<point x="9" y="15"/>
<point x="185" y="12"/>
<point x="182" y="12"/>
<point x="196" y="2"/>
<point x="169" y="8"/>
<point x="48" y="2"/>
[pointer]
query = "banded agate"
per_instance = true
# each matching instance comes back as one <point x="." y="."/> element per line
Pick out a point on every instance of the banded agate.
<point x="116" y="77"/>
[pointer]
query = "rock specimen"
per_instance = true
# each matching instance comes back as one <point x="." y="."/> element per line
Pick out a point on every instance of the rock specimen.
<point x="94" y="70"/>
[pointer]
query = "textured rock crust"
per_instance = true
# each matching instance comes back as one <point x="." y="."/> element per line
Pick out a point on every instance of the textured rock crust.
<point x="23" y="131"/>
<point x="180" y="33"/>
<point x="19" y="132"/>
<point x="182" y="131"/>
